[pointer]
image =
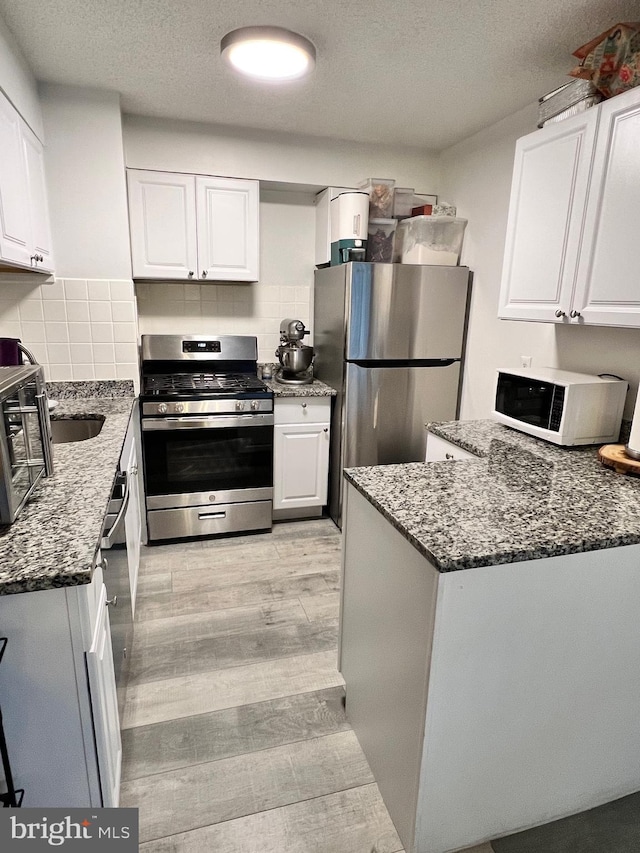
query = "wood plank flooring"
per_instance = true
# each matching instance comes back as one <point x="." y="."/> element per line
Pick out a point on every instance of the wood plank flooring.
<point x="235" y="739"/>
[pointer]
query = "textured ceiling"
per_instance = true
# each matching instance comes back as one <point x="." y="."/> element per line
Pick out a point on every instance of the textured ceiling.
<point x="419" y="73"/>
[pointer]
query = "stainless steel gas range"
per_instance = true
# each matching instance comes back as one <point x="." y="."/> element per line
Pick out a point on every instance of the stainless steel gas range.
<point x="207" y="436"/>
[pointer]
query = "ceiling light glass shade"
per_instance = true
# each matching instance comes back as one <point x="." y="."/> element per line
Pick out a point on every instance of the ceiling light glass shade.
<point x="268" y="53"/>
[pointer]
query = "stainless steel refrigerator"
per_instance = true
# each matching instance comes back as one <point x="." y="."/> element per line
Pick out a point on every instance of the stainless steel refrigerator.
<point x="389" y="338"/>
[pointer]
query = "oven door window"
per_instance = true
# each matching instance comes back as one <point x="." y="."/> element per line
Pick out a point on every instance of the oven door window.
<point x="200" y="460"/>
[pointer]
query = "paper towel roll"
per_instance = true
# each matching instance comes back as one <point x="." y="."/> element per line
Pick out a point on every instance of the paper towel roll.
<point x="633" y="447"/>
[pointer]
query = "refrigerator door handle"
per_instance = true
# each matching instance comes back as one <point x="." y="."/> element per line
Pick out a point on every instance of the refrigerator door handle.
<point x="397" y="362"/>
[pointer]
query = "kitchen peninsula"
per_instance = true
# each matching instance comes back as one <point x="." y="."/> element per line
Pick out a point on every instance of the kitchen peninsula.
<point x="489" y="634"/>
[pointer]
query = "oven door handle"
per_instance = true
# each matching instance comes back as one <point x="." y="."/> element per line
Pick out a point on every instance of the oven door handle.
<point x="213" y="422"/>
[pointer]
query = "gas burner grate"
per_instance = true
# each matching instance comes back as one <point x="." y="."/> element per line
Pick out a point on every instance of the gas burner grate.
<point x="181" y="383"/>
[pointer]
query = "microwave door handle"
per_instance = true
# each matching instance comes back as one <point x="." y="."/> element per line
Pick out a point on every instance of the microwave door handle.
<point x="45" y="433"/>
<point x="109" y="536"/>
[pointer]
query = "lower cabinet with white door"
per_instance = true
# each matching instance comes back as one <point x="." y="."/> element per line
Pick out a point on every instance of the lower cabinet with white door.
<point x="59" y="699"/>
<point x="441" y="450"/>
<point x="301" y="456"/>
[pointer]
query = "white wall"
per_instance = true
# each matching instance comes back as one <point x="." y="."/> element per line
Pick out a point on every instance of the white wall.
<point x="287" y="219"/>
<point x="17" y="81"/>
<point x="243" y="153"/>
<point x="84" y="164"/>
<point x="287" y="233"/>
<point x="476" y="176"/>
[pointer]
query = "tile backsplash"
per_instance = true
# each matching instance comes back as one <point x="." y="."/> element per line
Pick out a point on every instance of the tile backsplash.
<point x="78" y="329"/>
<point x="223" y="309"/>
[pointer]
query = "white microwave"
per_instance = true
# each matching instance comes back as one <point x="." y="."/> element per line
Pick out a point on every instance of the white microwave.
<point x="559" y="406"/>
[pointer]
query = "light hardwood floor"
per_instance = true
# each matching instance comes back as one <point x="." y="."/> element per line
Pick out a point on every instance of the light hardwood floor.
<point x="235" y="739"/>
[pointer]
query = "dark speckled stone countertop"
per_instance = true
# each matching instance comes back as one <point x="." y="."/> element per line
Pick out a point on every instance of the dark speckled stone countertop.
<point x="313" y="389"/>
<point x="53" y="541"/>
<point x="522" y="499"/>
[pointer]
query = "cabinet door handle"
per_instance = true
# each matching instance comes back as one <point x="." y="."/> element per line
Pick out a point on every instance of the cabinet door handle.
<point x="112" y="602"/>
<point x="560" y="313"/>
<point x="326" y="429"/>
<point x="304" y="405"/>
<point x="448" y="456"/>
<point x="190" y="274"/>
<point x="573" y="314"/>
<point x="204" y="273"/>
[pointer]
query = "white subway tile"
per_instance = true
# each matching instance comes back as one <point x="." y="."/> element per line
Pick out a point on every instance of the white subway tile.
<point x="81" y="353"/>
<point x="39" y="352"/>
<point x="105" y="371"/>
<point x="123" y="312"/>
<point x="33" y="291"/>
<point x="102" y="333"/>
<point x="208" y="292"/>
<point x="31" y="311"/>
<point x="79" y="333"/>
<point x="75" y="288"/>
<point x="127" y="371"/>
<point x="100" y="311"/>
<point x="9" y="312"/>
<point x="55" y="290"/>
<point x="98" y="290"/>
<point x="125" y="333"/>
<point x="83" y="372"/>
<point x="121" y="290"/>
<point x="77" y="311"/>
<point x="192" y="292"/>
<point x="58" y="353"/>
<point x="56" y="333"/>
<point x="55" y="311"/>
<point x="302" y="294"/>
<point x="32" y="333"/>
<point x="103" y="354"/>
<point x="11" y="330"/>
<point x="59" y="373"/>
<point x="126" y="353"/>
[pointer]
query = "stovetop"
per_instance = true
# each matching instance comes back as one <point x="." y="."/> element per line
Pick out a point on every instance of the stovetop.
<point x="201" y="385"/>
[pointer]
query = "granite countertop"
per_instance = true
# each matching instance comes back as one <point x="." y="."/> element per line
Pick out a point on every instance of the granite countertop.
<point x="314" y="389"/>
<point x="53" y="541"/>
<point x="522" y="499"/>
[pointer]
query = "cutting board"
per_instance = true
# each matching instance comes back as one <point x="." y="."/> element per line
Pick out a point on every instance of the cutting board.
<point x="613" y="456"/>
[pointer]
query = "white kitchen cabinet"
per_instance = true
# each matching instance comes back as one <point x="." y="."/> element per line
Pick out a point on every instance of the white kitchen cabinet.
<point x="162" y="217"/>
<point x="104" y="704"/>
<point x="25" y="233"/>
<point x="574" y="200"/>
<point x="227" y="216"/>
<point x="300" y="456"/>
<point x="607" y="291"/>
<point x="440" y="450"/>
<point x="59" y="698"/>
<point x="548" y="197"/>
<point x="193" y="227"/>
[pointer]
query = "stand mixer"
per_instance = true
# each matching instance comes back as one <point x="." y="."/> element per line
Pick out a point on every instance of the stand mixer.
<point x="296" y="359"/>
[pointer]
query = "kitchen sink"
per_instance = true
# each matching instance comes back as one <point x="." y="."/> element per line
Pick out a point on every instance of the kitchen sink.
<point x="64" y="430"/>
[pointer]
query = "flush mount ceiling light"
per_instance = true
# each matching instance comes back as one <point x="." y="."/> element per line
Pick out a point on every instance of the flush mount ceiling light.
<point x="268" y="53"/>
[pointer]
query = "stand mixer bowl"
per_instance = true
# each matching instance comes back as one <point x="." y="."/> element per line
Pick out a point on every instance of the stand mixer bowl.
<point x="295" y="358"/>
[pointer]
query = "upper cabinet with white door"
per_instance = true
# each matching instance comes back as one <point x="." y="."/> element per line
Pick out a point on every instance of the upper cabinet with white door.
<point x="25" y="233"/>
<point x="193" y="227"/>
<point x="568" y="253"/>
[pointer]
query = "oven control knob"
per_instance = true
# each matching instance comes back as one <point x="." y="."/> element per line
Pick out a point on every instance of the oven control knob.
<point x="162" y="408"/>
<point x="255" y="405"/>
<point x="179" y="407"/>
<point x="239" y="405"/>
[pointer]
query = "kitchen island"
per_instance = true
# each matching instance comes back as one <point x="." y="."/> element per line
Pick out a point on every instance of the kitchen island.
<point x="489" y="635"/>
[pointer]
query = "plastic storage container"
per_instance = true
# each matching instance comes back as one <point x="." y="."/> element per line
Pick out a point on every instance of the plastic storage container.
<point x="381" y="197"/>
<point x="403" y="202"/>
<point x="435" y="240"/>
<point x="380" y="244"/>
